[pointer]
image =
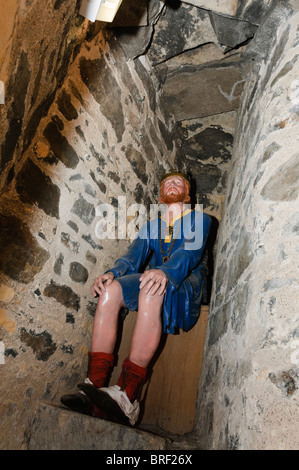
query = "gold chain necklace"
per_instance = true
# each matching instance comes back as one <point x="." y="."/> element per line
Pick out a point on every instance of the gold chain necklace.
<point x="166" y="254"/>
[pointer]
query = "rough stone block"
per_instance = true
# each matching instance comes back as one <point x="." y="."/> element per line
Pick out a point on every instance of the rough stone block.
<point x="283" y="185"/>
<point x="127" y="39"/>
<point x="211" y="142"/>
<point x="264" y="40"/>
<point x="35" y="187"/>
<point x="60" y="146"/>
<point x="41" y="343"/>
<point x="21" y="257"/>
<point x="66" y="107"/>
<point x="206" y="178"/>
<point x="55" y="428"/>
<point x="232" y="32"/>
<point x="78" y="273"/>
<point x="63" y="294"/>
<point x="84" y="210"/>
<point x="192" y="92"/>
<point x="100" y="81"/>
<point x="192" y="28"/>
<point x="17" y="85"/>
<point x="251" y="10"/>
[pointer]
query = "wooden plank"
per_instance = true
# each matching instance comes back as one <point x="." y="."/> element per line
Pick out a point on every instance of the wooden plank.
<point x="172" y="393"/>
<point x="170" y="397"/>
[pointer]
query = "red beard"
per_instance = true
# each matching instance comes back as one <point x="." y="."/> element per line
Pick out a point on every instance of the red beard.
<point x="173" y="197"/>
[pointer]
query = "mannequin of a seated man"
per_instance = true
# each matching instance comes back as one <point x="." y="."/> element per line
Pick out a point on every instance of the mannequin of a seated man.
<point x="114" y="289"/>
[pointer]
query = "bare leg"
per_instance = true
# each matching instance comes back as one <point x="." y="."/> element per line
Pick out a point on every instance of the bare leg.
<point x="106" y="319"/>
<point x="145" y="340"/>
<point x="148" y="328"/>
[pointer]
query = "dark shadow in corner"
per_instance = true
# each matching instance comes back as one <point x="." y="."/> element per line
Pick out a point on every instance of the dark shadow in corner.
<point x="210" y="242"/>
<point x="210" y="252"/>
<point x="173" y="4"/>
<point x="130" y="12"/>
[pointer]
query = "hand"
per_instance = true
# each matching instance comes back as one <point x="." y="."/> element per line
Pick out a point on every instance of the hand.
<point x="98" y="287"/>
<point x="153" y="280"/>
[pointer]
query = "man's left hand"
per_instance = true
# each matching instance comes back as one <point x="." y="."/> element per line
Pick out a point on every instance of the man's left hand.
<point x="153" y="281"/>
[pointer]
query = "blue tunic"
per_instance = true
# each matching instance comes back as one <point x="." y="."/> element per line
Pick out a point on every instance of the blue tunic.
<point x="186" y="268"/>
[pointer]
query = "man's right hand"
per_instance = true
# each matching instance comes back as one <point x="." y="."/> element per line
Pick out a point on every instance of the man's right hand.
<point x="100" y="283"/>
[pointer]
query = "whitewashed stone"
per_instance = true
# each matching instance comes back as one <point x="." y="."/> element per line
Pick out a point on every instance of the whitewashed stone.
<point x="249" y="385"/>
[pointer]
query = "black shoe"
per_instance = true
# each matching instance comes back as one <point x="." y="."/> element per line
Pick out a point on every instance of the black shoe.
<point x="78" y="402"/>
<point x="105" y="403"/>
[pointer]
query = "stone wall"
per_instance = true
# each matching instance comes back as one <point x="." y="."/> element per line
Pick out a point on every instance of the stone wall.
<point x="39" y="40"/>
<point x="249" y="385"/>
<point x="202" y="71"/>
<point x="86" y="119"/>
<point x="105" y="135"/>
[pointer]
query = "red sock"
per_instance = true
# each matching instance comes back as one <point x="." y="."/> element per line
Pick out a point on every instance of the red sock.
<point x="131" y="379"/>
<point x="99" y="367"/>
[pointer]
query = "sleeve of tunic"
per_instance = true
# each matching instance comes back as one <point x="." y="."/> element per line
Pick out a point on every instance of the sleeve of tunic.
<point x="135" y="258"/>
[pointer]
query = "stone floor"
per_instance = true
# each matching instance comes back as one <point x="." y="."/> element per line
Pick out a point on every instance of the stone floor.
<point x="56" y="428"/>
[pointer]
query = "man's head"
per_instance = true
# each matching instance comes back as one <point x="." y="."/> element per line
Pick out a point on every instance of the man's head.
<point x="175" y="187"/>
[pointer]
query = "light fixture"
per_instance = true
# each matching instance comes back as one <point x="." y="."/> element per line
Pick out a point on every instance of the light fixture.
<point x="101" y="10"/>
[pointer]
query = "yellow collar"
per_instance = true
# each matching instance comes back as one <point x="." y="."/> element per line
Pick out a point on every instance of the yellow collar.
<point x="177" y="217"/>
<point x="172" y="222"/>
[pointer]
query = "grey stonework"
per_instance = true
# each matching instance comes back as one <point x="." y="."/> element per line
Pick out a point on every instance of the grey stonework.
<point x="95" y="112"/>
<point x="253" y="325"/>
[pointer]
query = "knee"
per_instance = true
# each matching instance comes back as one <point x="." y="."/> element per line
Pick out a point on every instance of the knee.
<point x="150" y="299"/>
<point x="114" y="288"/>
<point x="112" y="294"/>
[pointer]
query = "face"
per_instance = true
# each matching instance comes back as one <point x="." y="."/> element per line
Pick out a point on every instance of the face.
<point x="174" y="189"/>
